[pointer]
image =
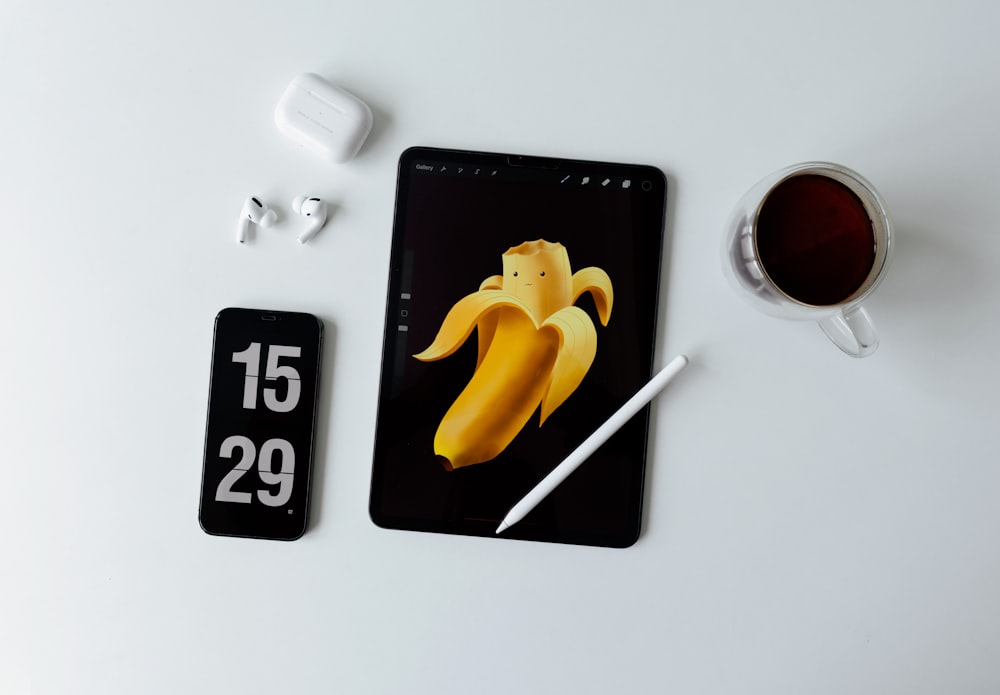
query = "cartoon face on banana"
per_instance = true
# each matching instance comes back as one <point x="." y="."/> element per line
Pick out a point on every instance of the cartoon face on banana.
<point x="535" y="348"/>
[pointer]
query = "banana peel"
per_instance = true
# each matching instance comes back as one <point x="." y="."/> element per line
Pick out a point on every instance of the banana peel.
<point x="534" y="348"/>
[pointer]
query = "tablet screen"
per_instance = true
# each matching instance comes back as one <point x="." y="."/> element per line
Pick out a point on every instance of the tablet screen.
<point x="521" y="314"/>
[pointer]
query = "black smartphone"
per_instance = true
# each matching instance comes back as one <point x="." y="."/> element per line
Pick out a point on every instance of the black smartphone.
<point x="260" y="433"/>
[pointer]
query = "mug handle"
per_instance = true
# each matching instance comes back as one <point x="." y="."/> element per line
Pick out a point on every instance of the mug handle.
<point x="852" y="331"/>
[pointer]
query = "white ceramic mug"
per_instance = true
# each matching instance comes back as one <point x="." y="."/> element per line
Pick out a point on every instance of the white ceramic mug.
<point x="782" y="277"/>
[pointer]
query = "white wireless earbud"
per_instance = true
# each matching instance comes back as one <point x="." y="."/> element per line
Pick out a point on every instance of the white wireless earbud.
<point x="256" y="212"/>
<point x="315" y="210"/>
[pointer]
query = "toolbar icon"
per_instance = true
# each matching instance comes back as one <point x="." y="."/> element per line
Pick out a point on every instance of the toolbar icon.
<point x="565" y="178"/>
<point x="626" y="183"/>
<point x="585" y="181"/>
<point x="605" y="182"/>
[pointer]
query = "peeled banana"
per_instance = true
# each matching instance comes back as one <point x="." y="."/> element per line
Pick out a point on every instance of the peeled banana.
<point x="535" y="348"/>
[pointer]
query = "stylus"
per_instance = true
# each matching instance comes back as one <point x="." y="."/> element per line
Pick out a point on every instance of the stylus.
<point x="614" y="423"/>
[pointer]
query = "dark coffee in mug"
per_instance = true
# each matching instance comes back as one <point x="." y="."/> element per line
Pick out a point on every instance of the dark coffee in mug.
<point x="815" y="239"/>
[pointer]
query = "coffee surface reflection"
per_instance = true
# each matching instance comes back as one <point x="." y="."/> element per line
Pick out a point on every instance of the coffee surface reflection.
<point x="815" y="239"/>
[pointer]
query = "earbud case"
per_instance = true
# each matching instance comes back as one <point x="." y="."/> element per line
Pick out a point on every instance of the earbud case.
<point x="323" y="118"/>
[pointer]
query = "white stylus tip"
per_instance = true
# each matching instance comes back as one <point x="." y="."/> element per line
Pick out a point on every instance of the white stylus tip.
<point x="502" y="527"/>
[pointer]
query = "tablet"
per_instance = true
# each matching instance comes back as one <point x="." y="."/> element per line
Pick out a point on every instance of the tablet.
<point x="521" y="314"/>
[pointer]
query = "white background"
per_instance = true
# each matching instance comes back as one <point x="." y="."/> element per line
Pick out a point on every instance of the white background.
<point x="815" y="523"/>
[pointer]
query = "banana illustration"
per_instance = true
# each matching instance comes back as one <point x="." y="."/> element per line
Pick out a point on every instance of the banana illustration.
<point x="535" y="348"/>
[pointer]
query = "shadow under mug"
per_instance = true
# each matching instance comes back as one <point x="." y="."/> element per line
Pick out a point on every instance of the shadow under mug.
<point x="787" y="249"/>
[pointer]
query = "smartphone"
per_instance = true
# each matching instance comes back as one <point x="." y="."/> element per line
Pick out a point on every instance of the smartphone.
<point x="260" y="431"/>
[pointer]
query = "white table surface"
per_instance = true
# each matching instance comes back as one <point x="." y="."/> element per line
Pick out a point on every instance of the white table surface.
<point x="815" y="524"/>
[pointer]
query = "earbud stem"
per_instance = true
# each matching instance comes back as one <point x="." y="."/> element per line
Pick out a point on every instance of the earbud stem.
<point x="312" y="231"/>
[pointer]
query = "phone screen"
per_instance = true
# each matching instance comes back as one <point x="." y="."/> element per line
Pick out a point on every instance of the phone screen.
<point x="259" y="437"/>
<point x="521" y="314"/>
